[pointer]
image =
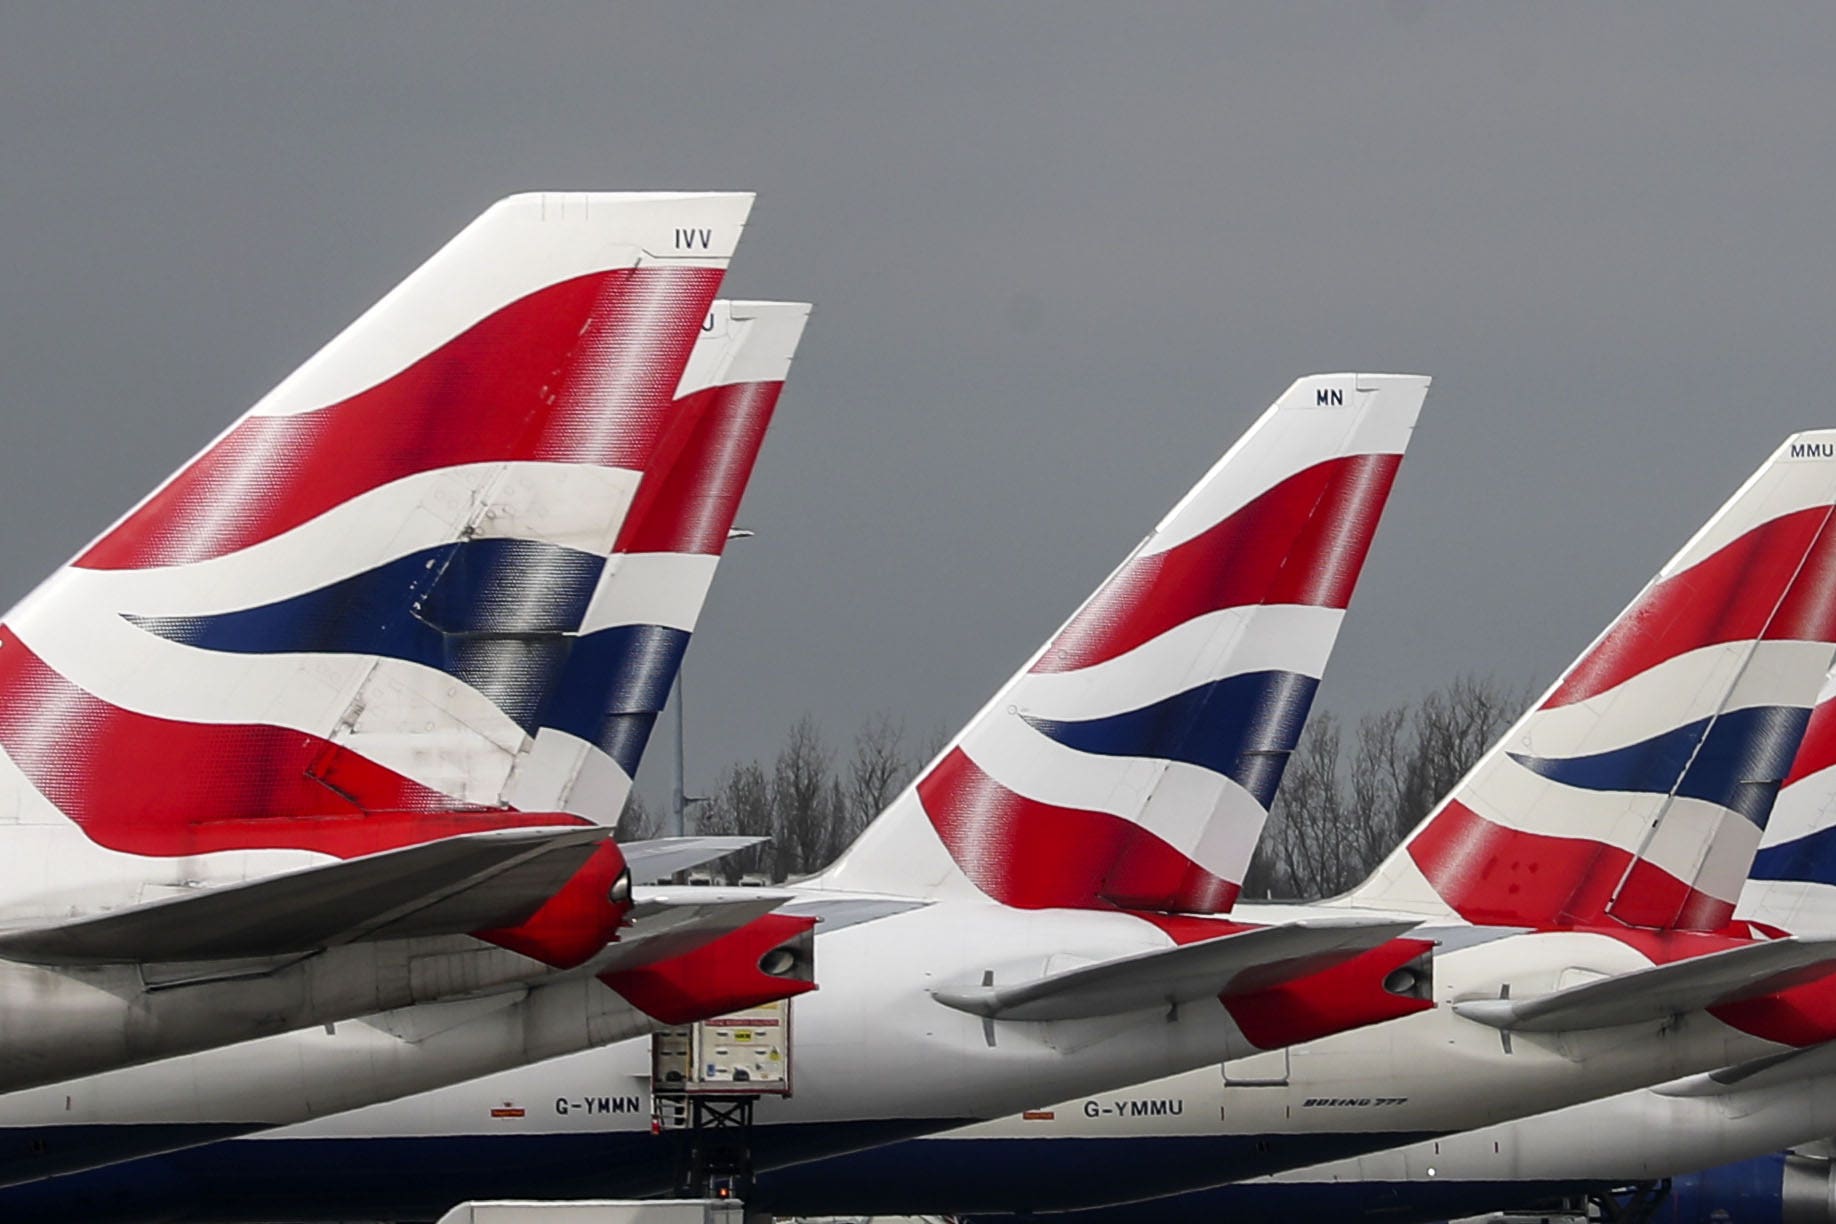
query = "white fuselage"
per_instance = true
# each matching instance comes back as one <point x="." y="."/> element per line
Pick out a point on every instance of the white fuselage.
<point x="1636" y="1136"/>
<point x="1430" y="1074"/>
<point x="60" y="1024"/>
<point x="1599" y="1146"/>
<point x="871" y="1047"/>
<point x="876" y="1059"/>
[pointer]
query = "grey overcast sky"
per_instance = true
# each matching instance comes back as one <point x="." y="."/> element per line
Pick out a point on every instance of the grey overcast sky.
<point x="1061" y="256"/>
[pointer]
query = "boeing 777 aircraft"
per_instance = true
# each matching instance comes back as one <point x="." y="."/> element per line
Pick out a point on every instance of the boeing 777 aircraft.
<point x="657" y="576"/>
<point x="1584" y="873"/>
<point x="334" y="721"/>
<point x="1580" y="882"/>
<point x="1010" y="926"/>
<point x="1739" y="1113"/>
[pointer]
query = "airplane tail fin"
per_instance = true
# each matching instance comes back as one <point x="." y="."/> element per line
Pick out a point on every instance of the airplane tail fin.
<point x="613" y="676"/>
<point x="1636" y="789"/>
<point x="438" y="580"/>
<point x="1132" y="761"/>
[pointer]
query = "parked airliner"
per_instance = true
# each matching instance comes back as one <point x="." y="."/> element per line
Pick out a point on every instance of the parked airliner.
<point x="1040" y="912"/>
<point x="1581" y="881"/>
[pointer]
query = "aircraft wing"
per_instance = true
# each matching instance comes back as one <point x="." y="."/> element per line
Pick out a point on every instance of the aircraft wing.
<point x="671" y="922"/>
<point x="661" y="857"/>
<point x="1236" y="964"/>
<point x="1662" y="990"/>
<point x="834" y="913"/>
<point x="467" y="882"/>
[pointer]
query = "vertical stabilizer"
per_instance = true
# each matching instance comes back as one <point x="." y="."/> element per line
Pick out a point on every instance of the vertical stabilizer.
<point x="366" y="614"/>
<point x="1132" y="761"/>
<point x="614" y="674"/>
<point x="1636" y="790"/>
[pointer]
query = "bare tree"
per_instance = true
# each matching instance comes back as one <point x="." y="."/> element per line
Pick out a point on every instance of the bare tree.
<point x="748" y="793"/>
<point x="1307" y="822"/>
<point x="1335" y="819"/>
<point x="877" y="771"/>
<point x="1452" y="728"/>
<point x="1260" y="881"/>
<point x="805" y="800"/>
<point x="741" y="806"/>
<point x="1381" y="768"/>
<point x="1344" y="801"/>
<point x="930" y="747"/>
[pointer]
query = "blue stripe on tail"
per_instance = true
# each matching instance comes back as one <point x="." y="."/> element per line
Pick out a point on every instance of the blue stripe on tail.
<point x="499" y="615"/>
<point x="1743" y="758"/>
<point x="1243" y="727"/>
<point x="613" y="685"/>
<point x="1811" y="859"/>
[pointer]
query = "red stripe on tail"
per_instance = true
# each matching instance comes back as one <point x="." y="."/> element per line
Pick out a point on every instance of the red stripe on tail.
<point x="1817" y="751"/>
<point x="160" y="787"/>
<point x="693" y="484"/>
<point x="1302" y="542"/>
<point x="1034" y="855"/>
<point x="1728" y="596"/>
<point x="1496" y="876"/>
<point x="579" y="372"/>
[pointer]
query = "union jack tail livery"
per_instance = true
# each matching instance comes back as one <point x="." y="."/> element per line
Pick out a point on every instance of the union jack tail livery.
<point x="437" y="582"/>
<point x="1636" y="791"/>
<point x="334" y="721"/>
<point x="1132" y="761"/>
<point x="608" y="680"/>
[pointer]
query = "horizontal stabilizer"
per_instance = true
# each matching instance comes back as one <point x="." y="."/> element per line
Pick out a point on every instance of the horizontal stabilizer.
<point x="1662" y="990"/>
<point x="1768" y="1071"/>
<point x="662" y="857"/>
<point x="469" y="882"/>
<point x="668" y="922"/>
<point x="836" y="912"/>
<point x="1230" y="965"/>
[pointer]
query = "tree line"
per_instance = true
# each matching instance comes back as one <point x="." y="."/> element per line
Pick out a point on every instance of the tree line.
<point x="809" y="800"/>
<point x="1349" y="794"/>
<point x="1347" y="800"/>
